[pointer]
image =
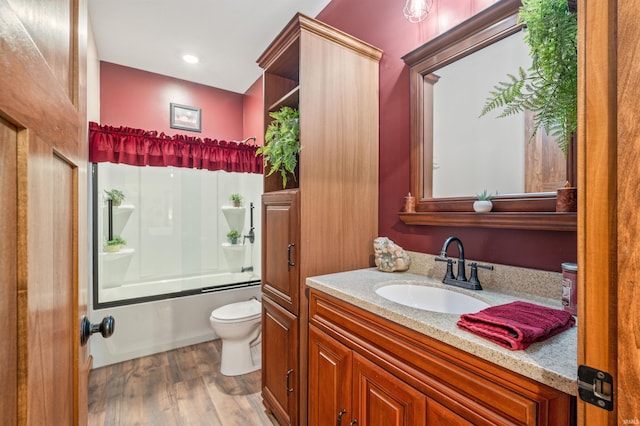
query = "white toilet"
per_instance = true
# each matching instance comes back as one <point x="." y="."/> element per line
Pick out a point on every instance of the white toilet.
<point x="238" y="325"/>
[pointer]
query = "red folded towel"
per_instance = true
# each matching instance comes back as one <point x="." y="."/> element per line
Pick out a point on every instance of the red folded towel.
<point x="516" y="325"/>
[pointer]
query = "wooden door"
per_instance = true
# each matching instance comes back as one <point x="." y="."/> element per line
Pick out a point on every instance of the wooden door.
<point x="43" y="260"/>
<point x="608" y="197"/>
<point x="280" y="373"/>
<point x="329" y="380"/>
<point x="545" y="165"/>
<point x="381" y="399"/>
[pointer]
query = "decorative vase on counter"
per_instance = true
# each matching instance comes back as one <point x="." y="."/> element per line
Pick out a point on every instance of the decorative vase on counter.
<point x="482" y="206"/>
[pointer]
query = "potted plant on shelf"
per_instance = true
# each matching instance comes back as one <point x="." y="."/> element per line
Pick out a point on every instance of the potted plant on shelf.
<point x="282" y="143"/>
<point x="550" y="87"/>
<point x="114" y="245"/>
<point x="236" y="200"/>
<point x="483" y="204"/>
<point x="233" y="236"/>
<point x="115" y="195"/>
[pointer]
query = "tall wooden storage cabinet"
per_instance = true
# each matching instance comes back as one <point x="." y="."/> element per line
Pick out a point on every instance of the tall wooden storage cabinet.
<point x="326" y="219"/>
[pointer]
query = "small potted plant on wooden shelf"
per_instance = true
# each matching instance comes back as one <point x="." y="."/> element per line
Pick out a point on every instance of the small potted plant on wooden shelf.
<point x="114" y="245"/>
<point x="233" y="236"/>
<point x="282" y="143"/>
<point x="483" y="204"/>
<point x="236" y="200"/>
<point x="115" y="195"/>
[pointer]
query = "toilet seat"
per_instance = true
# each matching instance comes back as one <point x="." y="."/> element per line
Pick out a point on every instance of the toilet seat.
<point x="247" y="310"/>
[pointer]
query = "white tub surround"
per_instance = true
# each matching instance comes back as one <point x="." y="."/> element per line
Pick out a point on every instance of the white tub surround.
<point x="175" y="224"/>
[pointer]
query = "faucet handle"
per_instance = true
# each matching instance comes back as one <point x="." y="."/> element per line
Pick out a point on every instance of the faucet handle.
<point x="474" y="271"/>
<point x="476" y="265"/>
<point x="450" y="262"/>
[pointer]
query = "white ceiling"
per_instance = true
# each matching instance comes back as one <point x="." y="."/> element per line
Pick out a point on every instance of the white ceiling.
<point x="227" y="35"/>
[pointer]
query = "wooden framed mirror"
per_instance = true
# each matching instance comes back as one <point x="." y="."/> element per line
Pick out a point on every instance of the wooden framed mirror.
<point x="527" y="196"/>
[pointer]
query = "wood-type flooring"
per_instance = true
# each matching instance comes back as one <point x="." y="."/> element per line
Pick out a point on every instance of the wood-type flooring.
<point x="182" y="387"/>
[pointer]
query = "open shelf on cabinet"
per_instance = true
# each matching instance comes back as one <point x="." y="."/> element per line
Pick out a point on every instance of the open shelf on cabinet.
<point x="291" y="99"/>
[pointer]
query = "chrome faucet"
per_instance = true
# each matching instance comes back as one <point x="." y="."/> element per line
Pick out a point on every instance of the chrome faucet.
<point x="461" y="279"/>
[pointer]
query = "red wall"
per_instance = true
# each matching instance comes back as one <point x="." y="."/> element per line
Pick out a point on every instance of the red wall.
<point x="253" y="112"/>
<point x="140" y="99"/>
<point x="381" y="23"/>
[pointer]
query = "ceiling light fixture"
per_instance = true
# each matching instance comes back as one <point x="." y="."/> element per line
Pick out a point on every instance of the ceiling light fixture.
<point x="417" y="10"/>
<point x="190" y="59"/>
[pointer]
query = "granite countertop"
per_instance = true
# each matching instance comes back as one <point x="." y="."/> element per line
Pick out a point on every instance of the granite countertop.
<point x="552" y="362"/>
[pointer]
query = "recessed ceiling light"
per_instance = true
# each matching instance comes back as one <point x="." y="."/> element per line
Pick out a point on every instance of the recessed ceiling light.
<point x="191" y="59"/>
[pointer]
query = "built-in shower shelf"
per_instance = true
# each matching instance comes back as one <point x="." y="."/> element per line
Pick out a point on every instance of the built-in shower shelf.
<point x="117" y="254"/>
<point x="121" y="215"/>
<point x="234" y="247"/>
<point x="235" y="217"/>
<point x="122" y="211"/>
<point x="234" y="255"/>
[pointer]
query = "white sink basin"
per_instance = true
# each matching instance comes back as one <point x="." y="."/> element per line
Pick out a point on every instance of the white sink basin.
<point x="431" y="298"/>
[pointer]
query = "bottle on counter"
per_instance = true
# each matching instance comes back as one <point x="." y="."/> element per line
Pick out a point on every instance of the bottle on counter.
<point x="570" y="287"/>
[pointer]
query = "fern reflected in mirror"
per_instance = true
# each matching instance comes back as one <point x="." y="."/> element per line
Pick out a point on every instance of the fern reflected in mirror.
<point x="549" y="87"/>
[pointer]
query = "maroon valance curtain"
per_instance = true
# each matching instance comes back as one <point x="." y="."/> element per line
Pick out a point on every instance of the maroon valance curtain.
<point x="148" y="148"/>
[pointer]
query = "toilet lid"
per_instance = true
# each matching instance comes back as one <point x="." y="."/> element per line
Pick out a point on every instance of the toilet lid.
<point x="237" y="311"/>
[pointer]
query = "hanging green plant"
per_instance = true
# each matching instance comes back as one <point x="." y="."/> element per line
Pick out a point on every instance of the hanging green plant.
<point x="282" y="143"/>
<point x="550" y="87"/>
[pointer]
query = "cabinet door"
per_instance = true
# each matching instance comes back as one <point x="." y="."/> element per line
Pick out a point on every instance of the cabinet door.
<point x="329" y="380"/>
<point x="380" y="399"/>
<point x="280" y="373"/>
<point x="281" y="248"/>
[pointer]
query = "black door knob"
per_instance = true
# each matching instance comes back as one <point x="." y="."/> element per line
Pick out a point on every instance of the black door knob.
<point x="105" y="327"/>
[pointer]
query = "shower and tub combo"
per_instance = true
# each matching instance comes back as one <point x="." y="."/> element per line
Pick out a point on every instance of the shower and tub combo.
<point x="177" y="281"/>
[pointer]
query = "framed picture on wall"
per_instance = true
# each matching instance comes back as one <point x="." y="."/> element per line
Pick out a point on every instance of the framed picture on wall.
<point x="185" y="118"/>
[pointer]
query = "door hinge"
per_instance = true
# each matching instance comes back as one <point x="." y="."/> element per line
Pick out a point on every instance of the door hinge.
<point x="595" y="387"/>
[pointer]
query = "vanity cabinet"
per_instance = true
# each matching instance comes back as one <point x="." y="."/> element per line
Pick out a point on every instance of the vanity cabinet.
<point x="326" y="219"/>
<point x="344" y="386"/>
<point x="383" y="373"/>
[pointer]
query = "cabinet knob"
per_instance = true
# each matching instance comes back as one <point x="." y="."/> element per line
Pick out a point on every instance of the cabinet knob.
<point x="353" y="422"/>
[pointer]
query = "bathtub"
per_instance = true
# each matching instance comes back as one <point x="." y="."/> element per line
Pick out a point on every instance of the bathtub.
<point x="149" y="290"/>
<point x="153" y="326"/>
